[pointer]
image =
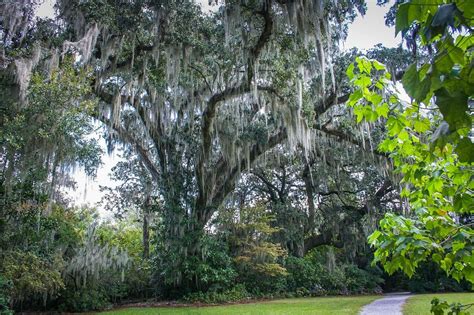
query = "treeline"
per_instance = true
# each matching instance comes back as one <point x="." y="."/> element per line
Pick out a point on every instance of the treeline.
<point x="66" y="259"/>
<point x="244" y="174"/>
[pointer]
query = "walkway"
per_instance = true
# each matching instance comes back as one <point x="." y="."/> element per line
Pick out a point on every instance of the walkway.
<point x="391" y="304"/>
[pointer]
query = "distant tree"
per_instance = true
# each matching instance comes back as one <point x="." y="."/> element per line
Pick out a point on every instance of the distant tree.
<point x="135" y="194"/>
<point x="257" y="258"/>
<point x="42" y="141"/>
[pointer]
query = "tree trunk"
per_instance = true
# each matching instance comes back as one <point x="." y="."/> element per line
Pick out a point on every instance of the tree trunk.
<point x="146" y="233"/>
<point x="310" y="197"/>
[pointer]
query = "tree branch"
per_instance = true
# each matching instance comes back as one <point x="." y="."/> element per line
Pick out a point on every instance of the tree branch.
<point x="244" y="87"/>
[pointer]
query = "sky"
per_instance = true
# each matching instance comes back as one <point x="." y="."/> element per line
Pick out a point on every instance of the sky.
<point x="364" y="33"/>
<point x="369" y="30"/>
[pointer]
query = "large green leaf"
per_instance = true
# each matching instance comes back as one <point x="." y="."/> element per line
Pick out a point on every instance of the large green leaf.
<point x="401" y="21"/>
<point x="467" y="9"/>
<point x="454" y="108"/>
<point x="410" y="80"/>
<point x="416" y="88"/>
<point x="445" y="15"/>
<point x="407" y="14"/>
<point x="465" y="150"/>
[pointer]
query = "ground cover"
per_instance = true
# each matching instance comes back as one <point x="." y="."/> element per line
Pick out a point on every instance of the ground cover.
<point x="421" y="304"/>
<point x="320" y="306"/>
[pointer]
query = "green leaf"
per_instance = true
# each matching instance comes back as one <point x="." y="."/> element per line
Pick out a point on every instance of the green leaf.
<point x="375" y="98"/>
<point x="403" y="135"/>
<point x="407" y="13"/>
<point x="454" y="108"/>
<point x="410" y="80"/>
<point x="394" y="125"/>
<point x="359" y="114"/>
<point x="422" y="89"/>
<point x="364" y="65"/>
<point x="374" y="237"/>
<point x="465" y="150"/>
<point x="458" y="246"/>
<point x="464" y="42"/>
<point x="448" y="57"/>
<point x="354" y="97"/>
<point x="467" y="8"/>
<point x="435" y="185"/>
<point x="378" y="66"/>
<point x="445" y="15"/>
<point x="456" y="54"/>
<point x="401" y="20"/>
<point x="421" y="125"/>
<point x="382" y="110"/>
<point x="436" y="257"/>
<point x="350" y="71"/>
<point x="469" y="274"/>
<point x="464" y="203"/>
<point x="363" y="81"/>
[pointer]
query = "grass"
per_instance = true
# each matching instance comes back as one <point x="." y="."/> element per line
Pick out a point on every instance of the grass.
<point x="421" y="304"/>
<point x="320" y="306"/>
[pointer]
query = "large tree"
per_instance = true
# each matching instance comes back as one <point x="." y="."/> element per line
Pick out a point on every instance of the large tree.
<point x="199" y="96"/>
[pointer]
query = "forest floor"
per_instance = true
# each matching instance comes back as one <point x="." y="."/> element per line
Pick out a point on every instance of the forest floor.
<point x="344" y="305"/>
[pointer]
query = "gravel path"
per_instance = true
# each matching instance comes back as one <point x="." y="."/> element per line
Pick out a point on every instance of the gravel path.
<point x="390" y="304"/>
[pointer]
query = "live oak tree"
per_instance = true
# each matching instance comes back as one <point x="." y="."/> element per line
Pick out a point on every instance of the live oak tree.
<point x="200" y="97"/>
<point x="332" y="200"/>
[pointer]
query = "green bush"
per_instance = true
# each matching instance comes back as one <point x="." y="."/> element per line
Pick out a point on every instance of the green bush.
<point x="33" y="277"/>
<point x="332" y="281"/>
<point x="362" y="281"/>
<point x="5" y="287"/>
<point x="212" y="271"/>
<point x="83" y="299"/>
<point x="309" y="276"/>
<point x="301" y="274"/>
<point x="235" y="294"/>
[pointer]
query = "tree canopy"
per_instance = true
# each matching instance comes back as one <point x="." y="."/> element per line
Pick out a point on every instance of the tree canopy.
<point x="242" y="162"/>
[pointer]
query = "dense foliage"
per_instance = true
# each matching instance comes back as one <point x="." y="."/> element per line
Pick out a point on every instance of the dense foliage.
<point x="429" y="141"/>
<point x="242" y="173"/>
<point x="437" y="175"/>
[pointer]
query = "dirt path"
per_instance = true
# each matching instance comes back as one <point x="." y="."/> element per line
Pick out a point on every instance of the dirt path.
<point x="390" y="304"/>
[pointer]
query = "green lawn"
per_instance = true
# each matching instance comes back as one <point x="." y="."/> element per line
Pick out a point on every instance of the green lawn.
<point x="321" y="306"/>
<point x="421" y="304"/>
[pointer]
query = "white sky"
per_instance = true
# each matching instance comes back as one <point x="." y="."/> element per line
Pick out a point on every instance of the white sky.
<point x="370" y="30"/>
<point x="46" y="9"/>
<point x="364" y="33"/>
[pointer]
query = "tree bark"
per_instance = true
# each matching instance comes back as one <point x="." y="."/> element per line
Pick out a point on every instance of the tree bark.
<point x="146" y="230"/>
<point x="310" y="197"/>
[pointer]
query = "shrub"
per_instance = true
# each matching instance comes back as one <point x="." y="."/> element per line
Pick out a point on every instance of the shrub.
<point x="362" y="281"/>
<point x="301" y="274"/>
<point x="213" y="270"/>
<point x="312" y="276"/>
<point x="83" y="299"/>
<point x="32" y="276"/>
<point x="235" y="294"/>
<point x="5" y="287"/>
<point x="332" y="281"/>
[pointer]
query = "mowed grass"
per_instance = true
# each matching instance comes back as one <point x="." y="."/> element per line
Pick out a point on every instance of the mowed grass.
<point x="421" y="304"/>
<point x="320" y="306"/>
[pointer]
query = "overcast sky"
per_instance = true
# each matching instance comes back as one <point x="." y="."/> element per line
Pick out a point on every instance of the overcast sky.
<point x="369" y="30"/>
<point x="364" y="33"/>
